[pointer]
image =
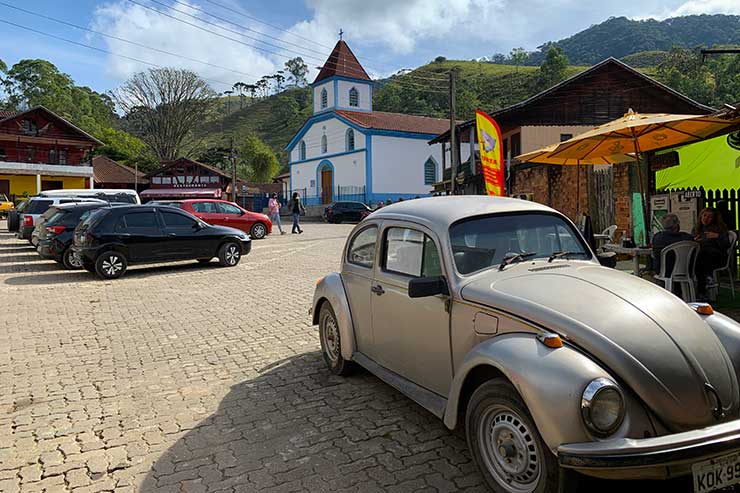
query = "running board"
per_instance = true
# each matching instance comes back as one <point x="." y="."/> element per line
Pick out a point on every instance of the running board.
<point x="430" y="401"/>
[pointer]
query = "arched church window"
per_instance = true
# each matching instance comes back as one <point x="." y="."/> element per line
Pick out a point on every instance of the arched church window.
<point x="350" y="140"/>
<point x="324" y="99"/>
<point x="302" y="150"/>
<point x="323" y="144"/>
<point x="430" y="171"/>
<point x="354" y="97"/>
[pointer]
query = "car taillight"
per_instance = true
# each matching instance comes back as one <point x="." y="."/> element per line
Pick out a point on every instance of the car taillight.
<point x="56" y="229"/>
<point x="27" y="221"/>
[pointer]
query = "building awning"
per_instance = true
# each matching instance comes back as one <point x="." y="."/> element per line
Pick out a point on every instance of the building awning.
<point x="181" y="193"/>
<point x="15" y="168"/>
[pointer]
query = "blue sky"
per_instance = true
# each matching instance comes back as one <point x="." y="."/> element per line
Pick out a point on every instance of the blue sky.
<point x="387" y="35"/>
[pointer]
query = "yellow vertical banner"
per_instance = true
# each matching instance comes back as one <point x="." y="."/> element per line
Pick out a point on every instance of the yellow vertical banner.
<point x="491" y="153"/>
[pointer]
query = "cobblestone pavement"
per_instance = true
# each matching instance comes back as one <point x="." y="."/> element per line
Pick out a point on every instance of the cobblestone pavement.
<point x="190" y="378"/>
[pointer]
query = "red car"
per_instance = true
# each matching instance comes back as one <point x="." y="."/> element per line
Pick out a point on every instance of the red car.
<point x="223" y="213"/>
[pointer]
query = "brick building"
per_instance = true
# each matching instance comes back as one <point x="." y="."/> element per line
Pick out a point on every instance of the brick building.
<point x="597" y="95"/>
<point x="40" y="150"/>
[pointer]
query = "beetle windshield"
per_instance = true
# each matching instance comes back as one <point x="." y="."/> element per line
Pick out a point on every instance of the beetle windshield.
<point x="482" y="242"/>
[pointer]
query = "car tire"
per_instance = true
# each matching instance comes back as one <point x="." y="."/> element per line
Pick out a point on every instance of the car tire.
<point x="499" y="428"/>
<point x="229" y="254"/>
<point x="111" y="265"/>
<point x="90" y="267"/>
<point x="258" y="231"/>
<point x="331" y="342"/>
<point x="204" y="260"/>
<point x="70" y="261"/>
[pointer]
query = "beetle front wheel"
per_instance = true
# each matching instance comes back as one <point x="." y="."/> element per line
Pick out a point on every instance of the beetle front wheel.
<point x="505" y="443"/>
<point x="331" y="346"/>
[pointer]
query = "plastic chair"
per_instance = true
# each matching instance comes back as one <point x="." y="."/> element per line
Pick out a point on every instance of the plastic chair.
<point x="685" y="253"/>
<point x="610" y="232"/>
<point x="730" y="260"/>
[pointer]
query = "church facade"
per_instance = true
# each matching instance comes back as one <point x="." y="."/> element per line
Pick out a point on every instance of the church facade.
<point x="346" y="150"/>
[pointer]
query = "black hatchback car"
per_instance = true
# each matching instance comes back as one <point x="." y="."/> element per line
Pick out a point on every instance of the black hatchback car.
<point x="56" y="234"/>
<point x="111" y="238"/>
<point x="346" y="211"/>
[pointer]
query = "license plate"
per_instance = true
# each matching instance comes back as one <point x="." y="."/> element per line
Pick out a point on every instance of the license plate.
<point x="716" y="473"/>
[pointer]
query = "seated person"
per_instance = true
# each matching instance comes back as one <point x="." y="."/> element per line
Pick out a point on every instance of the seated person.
<point x="671" y="234"/>
<point x="711" y="233"/>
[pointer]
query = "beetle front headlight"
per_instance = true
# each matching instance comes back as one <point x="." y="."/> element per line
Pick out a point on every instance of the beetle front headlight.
<point x="602" y="406"/>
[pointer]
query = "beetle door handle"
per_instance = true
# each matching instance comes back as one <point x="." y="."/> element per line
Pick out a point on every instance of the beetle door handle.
<point x="377" y="289"/>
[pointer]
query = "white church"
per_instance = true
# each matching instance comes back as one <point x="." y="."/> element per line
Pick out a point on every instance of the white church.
<point x="346" y="150"/>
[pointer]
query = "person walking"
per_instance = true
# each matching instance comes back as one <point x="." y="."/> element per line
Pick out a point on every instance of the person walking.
<point x="297" y="208"/>
<point x="273" y="207"/>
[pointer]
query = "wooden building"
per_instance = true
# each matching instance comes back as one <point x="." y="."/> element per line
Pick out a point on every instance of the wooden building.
<point x="595" y="96"/>
<point x="39" y="151"/>
<point x="111" y="174"/>
<point x="186" y="179"/>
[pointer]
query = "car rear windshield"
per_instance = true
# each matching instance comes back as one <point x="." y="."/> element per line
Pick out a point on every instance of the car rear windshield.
<point x="482" y="242"/>
<point x="38" y="206"/>
<point x="94" y="218"/>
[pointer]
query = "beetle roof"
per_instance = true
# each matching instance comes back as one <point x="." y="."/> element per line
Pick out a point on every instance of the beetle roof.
<point x="441" y="212"/>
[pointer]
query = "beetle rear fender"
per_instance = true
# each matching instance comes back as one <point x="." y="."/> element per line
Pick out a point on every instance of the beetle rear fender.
<point x="331" y="289"/>
<point x="550" y="381"/>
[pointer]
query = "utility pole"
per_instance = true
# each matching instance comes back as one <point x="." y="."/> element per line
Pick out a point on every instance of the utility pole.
<point x="136" y="177"/>
<point x="454" y="155"/>
<point x="232" y="156"/>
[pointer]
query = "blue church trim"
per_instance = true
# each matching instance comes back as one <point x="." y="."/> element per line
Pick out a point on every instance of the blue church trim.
<point x="326" y="156"/>
<point x="367" y="131"/>
<point x="369" y="167"/>
<point x="323" y="163"/>
<point x="341" y="77"/>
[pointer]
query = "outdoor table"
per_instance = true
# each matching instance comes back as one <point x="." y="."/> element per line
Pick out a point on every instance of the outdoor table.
<point x="635" y="253"/>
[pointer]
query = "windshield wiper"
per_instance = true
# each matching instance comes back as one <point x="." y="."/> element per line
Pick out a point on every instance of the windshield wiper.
<point x="516" y="257"/>
<point x="562" y="254"/>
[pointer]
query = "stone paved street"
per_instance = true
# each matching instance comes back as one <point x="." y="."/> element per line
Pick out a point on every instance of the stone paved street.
<point x="199" y="379"/>
<point x="185" y="378"/>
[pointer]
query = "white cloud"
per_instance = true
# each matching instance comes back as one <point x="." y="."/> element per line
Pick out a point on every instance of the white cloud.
<point x="707" y="7"/>
<point x="134" y="23"/>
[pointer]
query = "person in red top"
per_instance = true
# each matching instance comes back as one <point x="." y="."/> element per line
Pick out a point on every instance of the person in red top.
<point x="273" y="207"/>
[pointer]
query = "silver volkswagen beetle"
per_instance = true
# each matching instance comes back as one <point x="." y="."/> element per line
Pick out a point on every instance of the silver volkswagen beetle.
<point x="495" y="315"/>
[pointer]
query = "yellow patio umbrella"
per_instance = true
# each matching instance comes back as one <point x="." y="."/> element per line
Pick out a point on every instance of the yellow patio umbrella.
<point x="639" y="133"/>
<point x="544" y="156"/>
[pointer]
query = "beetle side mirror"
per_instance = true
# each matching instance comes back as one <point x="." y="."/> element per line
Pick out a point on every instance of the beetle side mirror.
<point x="607" y="259"/>
<point x="422" y="287"/>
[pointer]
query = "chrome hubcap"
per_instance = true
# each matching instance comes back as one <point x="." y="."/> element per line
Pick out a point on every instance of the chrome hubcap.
<point x="112" y="265"/>
<point x="75" y="260"/>
<point x="509" y="450"/>
<point x="331" y="338"/>
<point x="232" y="255"/>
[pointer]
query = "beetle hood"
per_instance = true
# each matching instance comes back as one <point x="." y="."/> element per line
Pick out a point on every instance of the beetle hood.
<point x="645" y="336"/>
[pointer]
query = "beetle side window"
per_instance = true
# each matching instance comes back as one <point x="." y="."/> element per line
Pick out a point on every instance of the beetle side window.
<point x="412" y="253"/>
<point x="362" y="249"/>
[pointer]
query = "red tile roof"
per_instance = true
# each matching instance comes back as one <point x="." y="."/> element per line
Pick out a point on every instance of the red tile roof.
<point x="6" y="114"/>
<point x="398" y="122"/>
<point x="342" y="62"/>
<point x="184" y="160"/>
<point x="106" y="170"/>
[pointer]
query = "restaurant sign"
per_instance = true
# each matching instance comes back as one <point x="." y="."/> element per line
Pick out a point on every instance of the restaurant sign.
<point x="491" y="153"/>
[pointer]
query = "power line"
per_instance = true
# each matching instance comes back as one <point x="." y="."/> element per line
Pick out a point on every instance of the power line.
<point x="220" y="27"/>
<point x="198" y="9"/>
<point x="101" y="50"/>
<point x="266" y="23"/>
<point x="134" y="43"/>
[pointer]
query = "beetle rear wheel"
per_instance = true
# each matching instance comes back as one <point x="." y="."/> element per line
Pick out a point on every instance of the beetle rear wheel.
<point x="505" y="442"/>
<point x="331" y="346"/>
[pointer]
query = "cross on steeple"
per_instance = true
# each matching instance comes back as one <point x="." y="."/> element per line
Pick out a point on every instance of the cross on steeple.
<point x="340" y="33"/>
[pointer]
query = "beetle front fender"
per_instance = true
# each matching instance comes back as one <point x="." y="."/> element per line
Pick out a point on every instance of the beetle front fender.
<point x="550" y="382"/>
<point x="331" y="289"/>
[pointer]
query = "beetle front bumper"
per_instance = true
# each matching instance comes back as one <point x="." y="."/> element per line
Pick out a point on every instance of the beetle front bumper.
<point x="657" y="457"/>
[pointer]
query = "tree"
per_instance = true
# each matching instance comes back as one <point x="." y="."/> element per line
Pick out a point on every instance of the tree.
<point x="553" y="68"/>
<point x="440" y="59"/>
<point x="241" y="89"/>
<point x="287" y="110"/>
<point x="298" y="70"/>
<point x="125" y="148"/>
<point x="257" y="163"/>
<point x="166" y="105"/>
<point x="263" y="85"/>
<point x="518" y="56"/>
<point x="279" y="79"/>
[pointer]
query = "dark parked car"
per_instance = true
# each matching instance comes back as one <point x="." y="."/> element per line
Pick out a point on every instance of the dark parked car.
<point x="37" y="206"/>
<point x="56" y="234"/>
<point x="14" y="216"/>
<point x="111" y="238"/>
<point x="346" y="211"/>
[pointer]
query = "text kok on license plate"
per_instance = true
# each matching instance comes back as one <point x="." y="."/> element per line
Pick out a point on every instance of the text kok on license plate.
<point x="717" y="473"/>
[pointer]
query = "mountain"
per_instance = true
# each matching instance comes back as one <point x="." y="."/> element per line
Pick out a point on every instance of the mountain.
<point x="619" y="37"/>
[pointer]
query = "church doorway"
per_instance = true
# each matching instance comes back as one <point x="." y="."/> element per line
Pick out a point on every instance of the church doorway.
<point x="327" y="182"/>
